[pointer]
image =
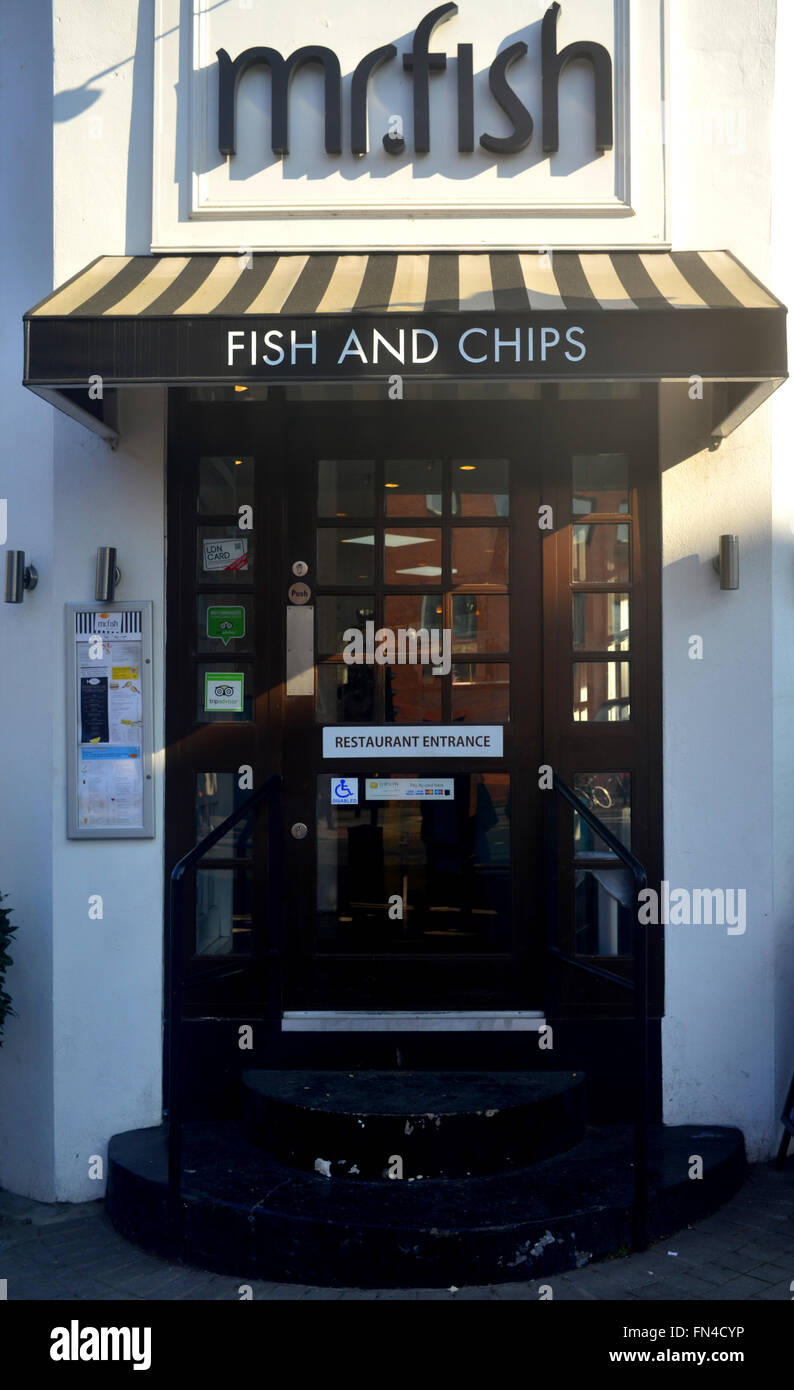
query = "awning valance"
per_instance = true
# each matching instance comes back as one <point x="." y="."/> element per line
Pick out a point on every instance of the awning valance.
<point x="200" y="319"/>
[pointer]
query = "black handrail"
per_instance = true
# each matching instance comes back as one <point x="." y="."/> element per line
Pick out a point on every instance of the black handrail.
<point x="270" y="790"/>
<point x="639" y="985"/>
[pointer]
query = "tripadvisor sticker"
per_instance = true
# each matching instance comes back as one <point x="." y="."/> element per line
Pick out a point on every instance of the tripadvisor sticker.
<point x="226" y="622"/>
<point x="223" y="690"/>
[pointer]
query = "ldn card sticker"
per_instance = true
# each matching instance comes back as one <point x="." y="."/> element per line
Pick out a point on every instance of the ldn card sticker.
<point x="223" y="691"/>
<point x="225" y="555"/>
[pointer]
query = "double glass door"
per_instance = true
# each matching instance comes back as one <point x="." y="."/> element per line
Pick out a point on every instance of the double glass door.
<point x="407" y="610"/>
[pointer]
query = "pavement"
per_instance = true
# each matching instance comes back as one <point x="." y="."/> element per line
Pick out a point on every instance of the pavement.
<point x="744" y="1251"/>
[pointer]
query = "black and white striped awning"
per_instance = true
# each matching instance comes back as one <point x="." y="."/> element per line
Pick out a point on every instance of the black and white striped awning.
<point x="435" y="282"/>
<point x="196" y="319"/>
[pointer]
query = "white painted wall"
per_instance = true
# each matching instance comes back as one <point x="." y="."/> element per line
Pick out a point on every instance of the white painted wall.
<point x="720" y="1046"/>
<point x="26" y="631"/>
<point x="84" y="1059"/>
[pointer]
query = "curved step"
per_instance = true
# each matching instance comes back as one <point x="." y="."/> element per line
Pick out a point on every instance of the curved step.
<point x="438" y="1124"/>
<point x="248" y="1216"/>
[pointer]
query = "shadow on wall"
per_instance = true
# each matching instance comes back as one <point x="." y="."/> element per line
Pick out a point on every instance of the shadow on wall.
<point x="75" y="101"/>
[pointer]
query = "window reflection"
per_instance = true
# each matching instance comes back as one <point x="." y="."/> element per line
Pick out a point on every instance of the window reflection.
<point x="601" y="553"/>
<point x="604" y="909"/>
<point x="481" y="555"/>
<point x="442" y="846"/>
<point x="601" y="691"/>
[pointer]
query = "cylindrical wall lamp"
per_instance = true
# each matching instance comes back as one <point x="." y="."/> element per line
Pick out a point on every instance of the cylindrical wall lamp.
<point x="107" y="574"/>
<point x="19" y="576"/>
<point x="727" y="562"/>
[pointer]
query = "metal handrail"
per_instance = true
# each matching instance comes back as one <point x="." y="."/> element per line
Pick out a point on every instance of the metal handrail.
<point x="270" y="790"/>
<point x="638" y="986"/>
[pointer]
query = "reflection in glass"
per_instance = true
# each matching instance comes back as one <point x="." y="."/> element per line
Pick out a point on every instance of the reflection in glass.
<point x="412" y="555"/>
<point x="336" y="615"/>
<point x="446" y="856"/>
<point x="608" y="796"/>
<point x="481" y="692"/>
<point x="415" y="612"/>
<point x="412" y="487"/>
<point x="481" y="555"/>
<point x="480" y="623"/>
<point x="480" y="487"/>
<point x="345" y="487"/>
<point x="345" y="555"/>
<point x="413" y="695"/>
<point x="601" y="691"/>
<point x="600" y="483"/>
<point x="224" y="555"/>
<point x="217" y="795"/>
<point x="345" y="694"/>
<point x="223" y="912"/>
<point x="603" y="912"/>
<point x="601" y="553"/>
<point x="601" y="622"/>
<point x="227" y="714"/>
<point x="225" y="484"/>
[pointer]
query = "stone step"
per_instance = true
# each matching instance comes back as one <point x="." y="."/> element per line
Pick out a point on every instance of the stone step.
<point x="427" y="1124"/>
<point x="248" y="1216"/>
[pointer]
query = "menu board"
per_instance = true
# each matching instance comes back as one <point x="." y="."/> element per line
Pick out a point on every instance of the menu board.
<point x="110" y="733"/>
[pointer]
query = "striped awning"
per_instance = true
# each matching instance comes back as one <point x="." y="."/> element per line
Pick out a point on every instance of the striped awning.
<point x="262" y="285"/>
<point x="255" y="316"/>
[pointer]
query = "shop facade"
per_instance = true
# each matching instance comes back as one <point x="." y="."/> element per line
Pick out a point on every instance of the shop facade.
<point x="414" y="379"/>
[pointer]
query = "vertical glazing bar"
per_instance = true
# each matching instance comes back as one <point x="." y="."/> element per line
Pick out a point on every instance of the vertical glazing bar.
<point x="274" y="909"/>
<point x="640" y="1232"/>
<point x="174" y="1060"/>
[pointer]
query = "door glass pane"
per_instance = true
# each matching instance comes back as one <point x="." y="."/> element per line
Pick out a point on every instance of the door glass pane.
<point x="217" y="795"/>
<point x="481" y="555"/>
<point x="345" y="487"/>
<point x="223" y="912"/>
<point x="601" y="691"/>
<point x="336" y="615"/>
<point x="480" y="487"/>
<point x="412" y="554"/>
<point x="413" y="695"/>
<point x="480" y="623"/>
<point x="345" y="555"/>
<point x="601" y="553"/>
<point x="412" y="487"/>
<point x="601" y="622"/>
<point x="608" y="796"/>
<point x="438" y="846"/>
<point x="345" y="694"/>
<point x="225" y="484"/>
<point x="481" y="692"/>
<point x="604" y="909"/>
<point x="224" y="555"/>
<point x="600" y="483"/>
<point x="225" y="623"/>
<point x="224" y="692"/>
<point x="415" y="613"/>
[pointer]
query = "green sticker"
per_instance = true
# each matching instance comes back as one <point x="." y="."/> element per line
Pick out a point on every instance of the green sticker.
<point x="223" y="690"/>
<point x="226" y="621"/>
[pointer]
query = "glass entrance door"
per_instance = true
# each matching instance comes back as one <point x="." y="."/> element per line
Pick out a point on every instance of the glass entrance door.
<point x="411" y="755"/>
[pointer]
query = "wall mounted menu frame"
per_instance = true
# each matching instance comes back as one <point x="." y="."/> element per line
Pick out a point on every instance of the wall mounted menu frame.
<point x="109" y="721"/>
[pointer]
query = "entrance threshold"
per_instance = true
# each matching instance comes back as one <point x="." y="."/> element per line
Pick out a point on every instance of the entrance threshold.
<point x="405" y="1021"/>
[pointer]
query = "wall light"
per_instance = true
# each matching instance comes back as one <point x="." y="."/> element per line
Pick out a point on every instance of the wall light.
<point x="727" y="562"/>
<point x="108" y="575"/>
<point x="19" y="576"/>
